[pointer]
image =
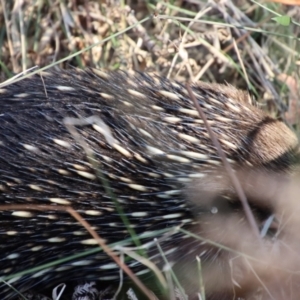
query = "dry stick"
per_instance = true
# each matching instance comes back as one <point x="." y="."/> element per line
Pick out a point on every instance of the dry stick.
<point x="108" y="251"/>
<point x="92" y="232"/>
<point x="241" y="63"/>
<point x="244" y="36"/>
<point x="227" y="166"/>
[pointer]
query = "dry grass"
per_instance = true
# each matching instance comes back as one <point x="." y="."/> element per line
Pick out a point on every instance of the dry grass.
<point x="229" y="41"/>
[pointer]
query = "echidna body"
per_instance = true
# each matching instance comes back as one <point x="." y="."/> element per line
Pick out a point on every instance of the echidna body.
<point x="143" y="135"/>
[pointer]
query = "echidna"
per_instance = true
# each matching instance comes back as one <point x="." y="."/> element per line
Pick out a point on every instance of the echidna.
<point x="145" y="137"/>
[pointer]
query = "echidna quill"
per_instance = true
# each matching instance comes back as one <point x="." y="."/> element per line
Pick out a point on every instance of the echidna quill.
<point x="142" y="133"/>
